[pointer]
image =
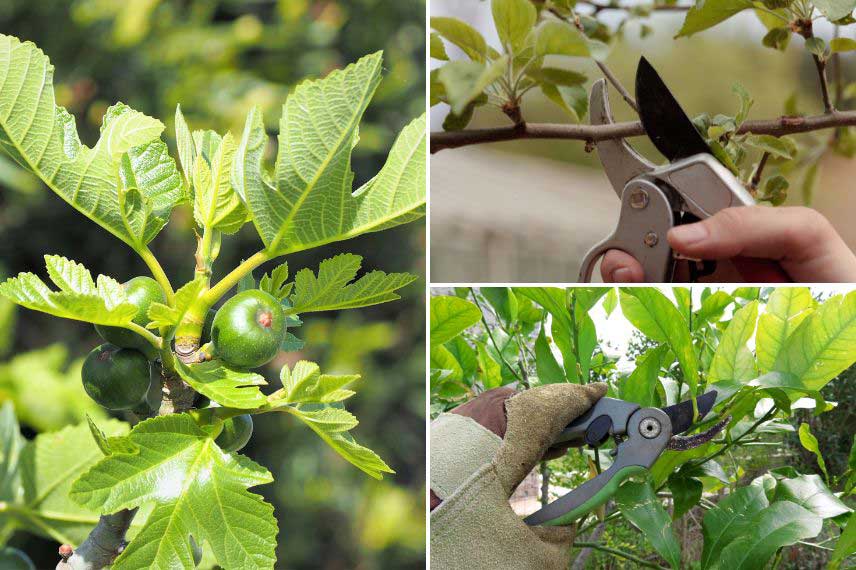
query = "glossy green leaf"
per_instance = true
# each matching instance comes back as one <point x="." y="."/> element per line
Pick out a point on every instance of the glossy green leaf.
<point x="462" y="35"/>
<point x="491" y="372"/>
<point x="780" y="524"/>
<point x="503" y="301"/>
<point x="549" y="370"/>
<point x="514" y="20"/>
<point x="730" y="519"/>
<point x="824" y="345"/>
<point x="686" y="493"/>
<point x="811" y="493"/>
<point x="610" y="301"/>
<point x="846" y="545"/>
<point x="227" y="386"/>
<point x="657" y="318"/>
<point x="728" y="364"/>
<point x="712" y="308"/>
<point x="465" y="80"/>
<point x="441" y="358"/>
<point x="785" y="310"/>
<point x="186" y="147"/>
<point x="102" y="302"/>
<point x="333" y="289"/>
<point x="310" y="202"/>
<point x="450" y="316"/>
<point x="639" y="504"/>
<point x="464" y="354"/>
<point x="809" y="442"/>
<point x="641" y="386"/>
<point x="196" y="489"/>
<point x="127" y="183"/>
<point x="708" y="13"/>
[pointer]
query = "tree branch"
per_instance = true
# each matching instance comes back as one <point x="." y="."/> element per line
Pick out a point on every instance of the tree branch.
<point x="616" y="552"/>
<point x="593" y="133"/>
<point x="103" y="545"/>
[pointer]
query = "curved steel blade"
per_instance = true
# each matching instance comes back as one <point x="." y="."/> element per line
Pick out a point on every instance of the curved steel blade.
<point x="681" y="414"/>
<point x="664" y="120"/>
<point x="620" y="162"/>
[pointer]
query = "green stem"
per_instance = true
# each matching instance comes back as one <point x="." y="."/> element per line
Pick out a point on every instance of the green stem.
<point x="616" y="552"/>
<point x="152" y="338"/>
<point x="159" y="274"/>
<point x="231" y="280"/>
<point x="495" y="345"/>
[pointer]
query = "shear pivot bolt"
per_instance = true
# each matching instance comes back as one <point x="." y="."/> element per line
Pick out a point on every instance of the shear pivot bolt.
<point x="638" y="199"/>
<point x="651" y="239"/>
<point x="649" y="428"/>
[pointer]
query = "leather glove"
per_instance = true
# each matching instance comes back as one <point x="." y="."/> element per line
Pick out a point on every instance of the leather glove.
<point x="480" y="452"/>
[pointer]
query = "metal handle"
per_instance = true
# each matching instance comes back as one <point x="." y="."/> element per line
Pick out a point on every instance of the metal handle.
<point x="646" y="216"/>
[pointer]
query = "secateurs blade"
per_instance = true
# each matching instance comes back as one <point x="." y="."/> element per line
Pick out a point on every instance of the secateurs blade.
<point x="641" y="435"/>
<point x="693" y="185"/>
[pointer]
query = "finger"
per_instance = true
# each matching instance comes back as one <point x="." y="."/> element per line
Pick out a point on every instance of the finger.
<point x="621" y="267"/>
<point x="801" y="239"/>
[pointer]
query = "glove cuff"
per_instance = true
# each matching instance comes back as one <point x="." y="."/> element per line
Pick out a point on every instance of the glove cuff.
<point x="459" y="447"/>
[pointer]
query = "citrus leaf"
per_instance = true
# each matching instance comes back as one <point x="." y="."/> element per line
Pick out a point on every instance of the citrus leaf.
<point x="809" y="492"/>
<point x="780" y="524"/>
<point x="196" y="488"/>
<point x="639" y="505"/>
<point x="785" y="310"/>
<point x="845" y="546"/>
<point x="824" y="345"/>
<point x="491" y="372"/>
<point x="727" y="363"/>
<point x="641" y="386"/>
<point x="809" y="442"/>
<point x="311" y="202"/>
<point x="332" y="288"/>
<point x="657" y="318"/>
<point x="441" y="358"/>
<point x="126" y="183"/>
<point x="227" y="386"/>
<point x="728" y="520"/>
<point x="304" y="383"/>
<point x="102" y="302"/>
<point x="450" y="316"/>
<point x="549" y="370"/>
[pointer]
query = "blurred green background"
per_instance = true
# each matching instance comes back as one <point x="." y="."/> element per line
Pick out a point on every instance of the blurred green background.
<point x="218" y="59"/>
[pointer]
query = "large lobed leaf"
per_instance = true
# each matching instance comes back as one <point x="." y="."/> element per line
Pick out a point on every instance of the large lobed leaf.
<point x="196" y="489"/>
<point x="127" y="183"/>
<point x="228" y="387"/>
<point x="102" y="302"/>
<point x="332" y="289"/>
<point x="312" y="397"/>
<point x="310" y="202"/>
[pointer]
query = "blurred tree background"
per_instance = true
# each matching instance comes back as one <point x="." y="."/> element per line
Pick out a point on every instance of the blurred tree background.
<point x="218" y="58"/>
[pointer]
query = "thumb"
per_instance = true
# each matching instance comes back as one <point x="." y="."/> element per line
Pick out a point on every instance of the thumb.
<point x="535" y="419"/>
<point x="800" y="239"/>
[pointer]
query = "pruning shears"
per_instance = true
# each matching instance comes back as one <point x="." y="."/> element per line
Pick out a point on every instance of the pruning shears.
<point x="641" y="435"/>
<point x="693" y="185"/>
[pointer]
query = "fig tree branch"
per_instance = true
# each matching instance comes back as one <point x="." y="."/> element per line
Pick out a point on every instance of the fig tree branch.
<point x="103" y="544"/>
<point x="594" y="133"/>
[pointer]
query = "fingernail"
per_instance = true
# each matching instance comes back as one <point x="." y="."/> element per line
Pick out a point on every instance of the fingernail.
<point x="622" y="275"/>
<point x="689" y="234"/>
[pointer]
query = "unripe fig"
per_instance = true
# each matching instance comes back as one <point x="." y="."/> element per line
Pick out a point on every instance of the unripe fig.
<point x="248" y="329"/>
<point x="196" y="548"/>
<point x="141" y="292"/>
<point x="116" y="378"/>
<point x="236" y="433"/>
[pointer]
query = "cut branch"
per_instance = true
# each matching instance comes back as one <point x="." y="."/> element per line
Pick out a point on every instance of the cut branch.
<point x="594" y="133"/>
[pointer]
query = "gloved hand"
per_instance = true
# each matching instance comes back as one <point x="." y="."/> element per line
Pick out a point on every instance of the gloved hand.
<point x="480" y="452"/>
